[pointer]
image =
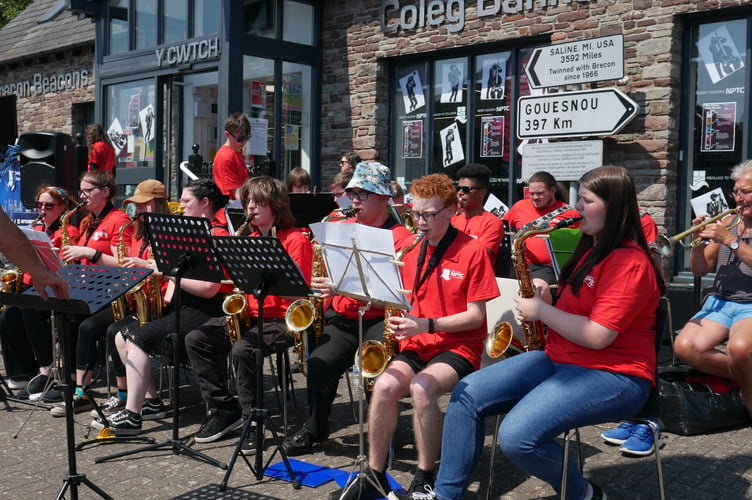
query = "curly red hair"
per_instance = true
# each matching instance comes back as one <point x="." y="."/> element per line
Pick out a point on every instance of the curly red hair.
<point x="435" y="185"/>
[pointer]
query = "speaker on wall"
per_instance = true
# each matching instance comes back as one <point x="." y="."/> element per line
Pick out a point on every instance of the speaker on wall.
<point x="47" y="159"/>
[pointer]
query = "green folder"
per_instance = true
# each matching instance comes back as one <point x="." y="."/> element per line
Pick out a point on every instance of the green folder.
<point x="561" y="244"/>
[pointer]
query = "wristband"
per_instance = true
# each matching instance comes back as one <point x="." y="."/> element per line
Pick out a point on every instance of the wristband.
<point x="96" y="256"/>
<point x="430" y="325"/>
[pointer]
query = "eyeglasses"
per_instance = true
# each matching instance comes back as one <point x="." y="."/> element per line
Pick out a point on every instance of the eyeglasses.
<point x="239" y="139"/>
<point x="361" y="195"/>
<point x="338" y="194"/>
<point x="743" y="192"/>
<point x="426" y="216"/>
<point x="88" y="191"/>
<point x="467" y="189"/>
<point x="44" y="205"/>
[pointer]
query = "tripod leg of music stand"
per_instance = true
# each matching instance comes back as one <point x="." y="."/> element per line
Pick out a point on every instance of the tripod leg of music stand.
<point x="237" y="452"/>
<point x="282" y="453"/>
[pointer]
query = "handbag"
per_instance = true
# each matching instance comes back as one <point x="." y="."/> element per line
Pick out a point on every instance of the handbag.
<point x="695" y="403"/>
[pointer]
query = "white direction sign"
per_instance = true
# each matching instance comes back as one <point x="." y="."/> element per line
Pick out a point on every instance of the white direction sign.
<point x="583" y="61"/>
<point x="574" y="114"/>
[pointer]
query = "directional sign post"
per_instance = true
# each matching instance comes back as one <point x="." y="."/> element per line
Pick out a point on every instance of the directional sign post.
<point x="583" y="61"/>
<point x="574" y="114"/>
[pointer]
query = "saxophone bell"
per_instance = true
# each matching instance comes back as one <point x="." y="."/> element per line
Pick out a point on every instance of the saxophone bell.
<point x="235" y="307"/>
<point x="299" y="317"/>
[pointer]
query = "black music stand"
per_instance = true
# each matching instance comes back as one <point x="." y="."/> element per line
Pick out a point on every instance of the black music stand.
<point x="91" y="289"/>
<point x="183" y="249"/>
<point x="262" y="265"/>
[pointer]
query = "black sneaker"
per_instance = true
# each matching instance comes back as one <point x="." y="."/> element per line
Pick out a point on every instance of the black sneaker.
<point x="363" y="489"/>
<point x="301" y="442"/>
<point x="109" y="407"/>
<point x="80" y="403"/>
<point x="153" y="409"/>
<point x="23" y="394"/>
<point x="125" y="423"/>
<point x="36" y="386"/>
<point x="217" y="424"/>
<point x="249" y="445"/>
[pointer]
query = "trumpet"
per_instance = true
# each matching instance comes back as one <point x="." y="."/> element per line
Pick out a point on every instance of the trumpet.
<point x="666" y="244"/>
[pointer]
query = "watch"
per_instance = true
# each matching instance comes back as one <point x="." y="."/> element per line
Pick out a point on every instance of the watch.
<point x="735" y="244"/>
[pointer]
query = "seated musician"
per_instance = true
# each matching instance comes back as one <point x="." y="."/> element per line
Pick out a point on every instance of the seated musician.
<point x="472" y="189"/>
<point x="25" y="333"/>
<point x="726" y="314"/>
<point x="268" y="211"/>
<point x="370" y="190"/>
<point x="200" y="301"/>
<point x="599" y="361"/>
<point x="440" y="340"/>
<point x="99" y="237"/>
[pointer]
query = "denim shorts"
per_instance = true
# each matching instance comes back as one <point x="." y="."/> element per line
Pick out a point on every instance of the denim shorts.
<point x="724" y="312"/>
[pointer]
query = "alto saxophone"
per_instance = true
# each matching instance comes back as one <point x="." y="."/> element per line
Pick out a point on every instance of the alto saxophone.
<point x="372" y="357"/>
<point x="65" y="239"/>
<point x="501" y="336"/>
<point x="238" y="312"/>
<point x="135" y="299"/>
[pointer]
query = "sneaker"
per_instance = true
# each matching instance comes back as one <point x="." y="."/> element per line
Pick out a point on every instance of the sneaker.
<point x="153" y="409"/>
<point x="122" y="423"/>
<point x="640" y="443"/>
<point x="301" y="442"/>
<point x="80" y="403"/>
<point x="620" y="434"/>
<point x="362" y="489"/>
<point x="598" y="493"/>
<point x="109" y="407"/>
<point x="218" y="423"/>
<point x="249" y="445"/>
<point x="53" y="395"/>
<point x="419" y="490"/>
<point x="23" y="394"/>
<point x="18" y="383"/>
<point x="36" y="385"/>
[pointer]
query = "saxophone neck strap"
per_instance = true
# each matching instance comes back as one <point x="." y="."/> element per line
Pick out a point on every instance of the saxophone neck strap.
<point x="433" y="262"/>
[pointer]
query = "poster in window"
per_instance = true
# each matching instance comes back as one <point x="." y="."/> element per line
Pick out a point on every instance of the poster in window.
<point x="292" y="91"/>
<point x="711" y="203"/>
<point x="718" y="123"/>
<point x="258" y="94"/>
<point x="134" y="106"/>
<point x="491" y="136"/>
<point x="256" y="144"/>
<point x="146" y="117"/>
<point x="494" y="76"/>
<point x="719" y="54"/>
<point x="292" y="137"/>
<point x="452" y="77"/>
<point x="117" y="137"/>
<point x="412" y="91"/>
<point x="451" y="145"/>
<point x="412" y="139"/>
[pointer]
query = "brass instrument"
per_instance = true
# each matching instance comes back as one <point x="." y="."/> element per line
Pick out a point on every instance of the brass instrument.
<point x="64" y="235"/>
<point x="341" y="214"/>
<point x="243" y="227"/>
<point x="135" y="299"/>
<point x="154" y="298"/>
<point x="501" y="337"/>
<point x="238" y="312"/>
<point x="372" y="357"/>
<point x="666" y="244"/>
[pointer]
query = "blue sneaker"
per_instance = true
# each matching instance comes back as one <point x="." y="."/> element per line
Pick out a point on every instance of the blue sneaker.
<point x="640" y="443"/>
<point x="620" y="434"/>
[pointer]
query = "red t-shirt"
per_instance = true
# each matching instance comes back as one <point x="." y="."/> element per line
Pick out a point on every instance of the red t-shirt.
<point x="523" y="212"/>
<point x="484" y="227"/>
<point x="348" y="306"/>
<point x="620" y="293"/>
<point x="102" y="155"/>
<point x="301" y="251"/>
<point x="106" y="235"/>
<point x="464" y="275"/>
<point x="220" y="229"/>
<point x="229" y="170"/>
<point x="650" y="229"/>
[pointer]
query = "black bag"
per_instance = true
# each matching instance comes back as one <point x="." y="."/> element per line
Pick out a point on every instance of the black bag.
<point x="690" y="406"/>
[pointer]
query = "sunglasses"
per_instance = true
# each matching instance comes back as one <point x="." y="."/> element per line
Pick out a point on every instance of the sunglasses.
<point x="467" y="189"/>
<point x="44" y="205"/>
<point x="239" y="139"/>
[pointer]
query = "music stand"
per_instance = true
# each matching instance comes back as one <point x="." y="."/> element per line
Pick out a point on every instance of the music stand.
<point x="263" y="266"/>
<point x="361" y="263"/>
<point x="308" y="208"/>
<point x="183" y="249"/>
<point x="91" y="288"/>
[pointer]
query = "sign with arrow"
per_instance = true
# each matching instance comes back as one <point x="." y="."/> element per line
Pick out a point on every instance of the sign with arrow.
<point x="574" y="114"/>
<point x="583" y="61"/>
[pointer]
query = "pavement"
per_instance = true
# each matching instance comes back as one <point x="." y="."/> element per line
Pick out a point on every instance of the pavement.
<point x="34" y="458"/>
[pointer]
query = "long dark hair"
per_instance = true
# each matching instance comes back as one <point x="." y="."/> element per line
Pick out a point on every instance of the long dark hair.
<point x="206" y="188"/>
<point x="270" y="192"/>
<point x="616" y="186"/>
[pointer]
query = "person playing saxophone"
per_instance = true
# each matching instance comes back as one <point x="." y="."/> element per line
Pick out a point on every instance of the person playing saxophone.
<point x="267" y="208"/>
<point x="369" y="191"/>
<point x="441" y="338"/>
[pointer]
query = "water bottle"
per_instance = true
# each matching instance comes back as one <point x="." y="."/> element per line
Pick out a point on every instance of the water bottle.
<point x="355" y="379"/>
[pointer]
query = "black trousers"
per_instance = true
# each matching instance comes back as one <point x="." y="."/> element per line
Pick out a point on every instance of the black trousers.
<point x="331" y="358"/>
<point x="18" y="355"/>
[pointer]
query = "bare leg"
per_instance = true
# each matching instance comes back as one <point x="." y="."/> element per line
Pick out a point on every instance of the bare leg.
<point x="138" y="374"/>
<point x="696" y="343"/>
<point x="382" y="415"/>
<point x="426" y="389"/>
<point x="740" y="358"/>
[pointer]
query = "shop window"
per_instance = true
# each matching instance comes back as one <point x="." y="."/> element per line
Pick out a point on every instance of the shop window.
<point x="131" y="122"/>
<point x="175" y="20"/>
<point x="118" y="28"/>
<point x="296" y="117"/>
<point x="146" y="23"/>
<point x="259" y="17"/>
<point x="259" y="104"/>
<point x="298" y="22"/>
<point x="205" y="17"/>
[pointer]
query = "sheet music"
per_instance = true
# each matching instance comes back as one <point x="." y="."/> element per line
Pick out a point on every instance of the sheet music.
<point x="43" y="246"/>
<point x="360" y="262"/>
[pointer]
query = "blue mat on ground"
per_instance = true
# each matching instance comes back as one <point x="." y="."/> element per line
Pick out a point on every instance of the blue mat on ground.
<point x="313" y="475"/>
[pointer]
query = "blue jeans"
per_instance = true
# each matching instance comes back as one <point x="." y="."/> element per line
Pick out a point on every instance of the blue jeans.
<point x="542" y="400"/>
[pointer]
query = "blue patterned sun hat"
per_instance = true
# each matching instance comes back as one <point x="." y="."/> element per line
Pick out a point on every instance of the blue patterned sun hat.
<point x="372" y="176"/>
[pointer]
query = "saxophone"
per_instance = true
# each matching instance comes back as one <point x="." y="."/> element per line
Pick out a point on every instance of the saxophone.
<point x="135" y="299"/>
<point x="235" y="306"/>
<point x="373" y="356"/>
<point x="501" y="336"/>
<point x="65" y="239"/>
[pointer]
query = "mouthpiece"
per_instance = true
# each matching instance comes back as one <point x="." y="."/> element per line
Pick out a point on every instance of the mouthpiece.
<point x="567" y="222"/>
<point x="349" y="212"/>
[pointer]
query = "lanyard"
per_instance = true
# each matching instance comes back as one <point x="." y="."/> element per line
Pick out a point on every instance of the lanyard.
<point x="433" y="262"/>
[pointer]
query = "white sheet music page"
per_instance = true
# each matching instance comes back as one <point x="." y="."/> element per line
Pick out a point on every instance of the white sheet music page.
<point x="360" y="262"/>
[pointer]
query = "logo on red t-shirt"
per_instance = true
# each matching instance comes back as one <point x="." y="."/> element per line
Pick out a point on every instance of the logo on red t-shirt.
<point x="447" y="274"/>
<point x="589" y="281"/>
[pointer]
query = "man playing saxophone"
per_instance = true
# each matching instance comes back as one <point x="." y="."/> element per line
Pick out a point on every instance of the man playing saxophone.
<point x="267" y="208"/>
<point x="441" y="338"/>
<point x="369" y="190"/>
